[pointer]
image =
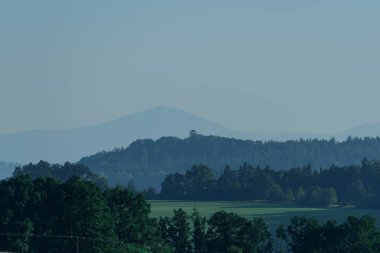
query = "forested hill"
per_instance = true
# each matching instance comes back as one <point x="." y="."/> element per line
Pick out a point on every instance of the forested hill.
<point x="146" y="162"/>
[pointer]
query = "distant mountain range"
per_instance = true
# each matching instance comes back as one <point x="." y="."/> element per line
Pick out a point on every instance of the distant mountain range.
<point x="70" y="145"/>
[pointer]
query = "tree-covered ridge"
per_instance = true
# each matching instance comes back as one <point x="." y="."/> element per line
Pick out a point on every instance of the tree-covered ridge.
<point x="60" y="172"/>
<point x="147" y="162"/>
<point x="357" y="185"/>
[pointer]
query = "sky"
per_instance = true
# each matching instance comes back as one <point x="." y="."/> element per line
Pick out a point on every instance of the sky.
<point x="260" y="66"/>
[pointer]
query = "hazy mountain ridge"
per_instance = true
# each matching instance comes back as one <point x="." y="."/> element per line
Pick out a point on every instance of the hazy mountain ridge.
<point x="70" y="145"/>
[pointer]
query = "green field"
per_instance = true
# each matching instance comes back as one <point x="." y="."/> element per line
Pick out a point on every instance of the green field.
<point x="273" y="214"/>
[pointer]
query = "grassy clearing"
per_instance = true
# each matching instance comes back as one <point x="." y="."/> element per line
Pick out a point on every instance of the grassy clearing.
<point x="273" y="214"/>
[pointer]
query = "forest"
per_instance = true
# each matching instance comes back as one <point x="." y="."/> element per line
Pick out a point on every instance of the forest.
<point x="46" y="215"/>
<point x="355" y="185"/>
<point x="347" y="186"/>
<point x="147" y="162"/>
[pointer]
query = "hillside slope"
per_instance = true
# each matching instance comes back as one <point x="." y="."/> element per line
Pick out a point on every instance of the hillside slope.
<point x="147" y="162"/>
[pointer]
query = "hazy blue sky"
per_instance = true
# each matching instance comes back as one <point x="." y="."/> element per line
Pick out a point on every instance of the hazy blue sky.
<point x="262" y="66"/>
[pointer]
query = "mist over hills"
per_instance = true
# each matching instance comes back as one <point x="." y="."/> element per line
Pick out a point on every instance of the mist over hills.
<point x="365" y="130"/>
<point x="70" y="145"/>
<point x="7" y="168"/>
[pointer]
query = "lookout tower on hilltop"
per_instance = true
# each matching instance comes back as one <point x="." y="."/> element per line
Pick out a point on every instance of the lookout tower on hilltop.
<point x="193" y="133"/>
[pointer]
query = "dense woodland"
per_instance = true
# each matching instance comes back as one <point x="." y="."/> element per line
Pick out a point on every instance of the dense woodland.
<point x="60" y="172"/>
<point x="45" y="215"/>
<point x="147" y="162"/>
<point x="357" y="185"/>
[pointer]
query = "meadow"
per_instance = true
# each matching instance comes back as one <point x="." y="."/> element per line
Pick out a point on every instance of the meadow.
<point x="273" y="214"/>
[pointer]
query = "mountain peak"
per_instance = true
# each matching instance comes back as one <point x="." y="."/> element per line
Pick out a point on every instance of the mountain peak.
<point x="71" y="145"/>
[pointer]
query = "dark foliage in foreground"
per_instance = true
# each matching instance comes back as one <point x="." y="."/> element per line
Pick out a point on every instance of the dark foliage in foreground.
<point x="222" y="232"/>
<point x="356" y="235"/>
<point x="44" y="215"/>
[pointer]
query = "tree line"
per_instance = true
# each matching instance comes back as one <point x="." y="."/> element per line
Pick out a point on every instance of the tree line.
<point x="231" y="233"/>
<point x="354" y="185"/>
<point x="357" y="185"/>
<point x="46" y="215"/>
